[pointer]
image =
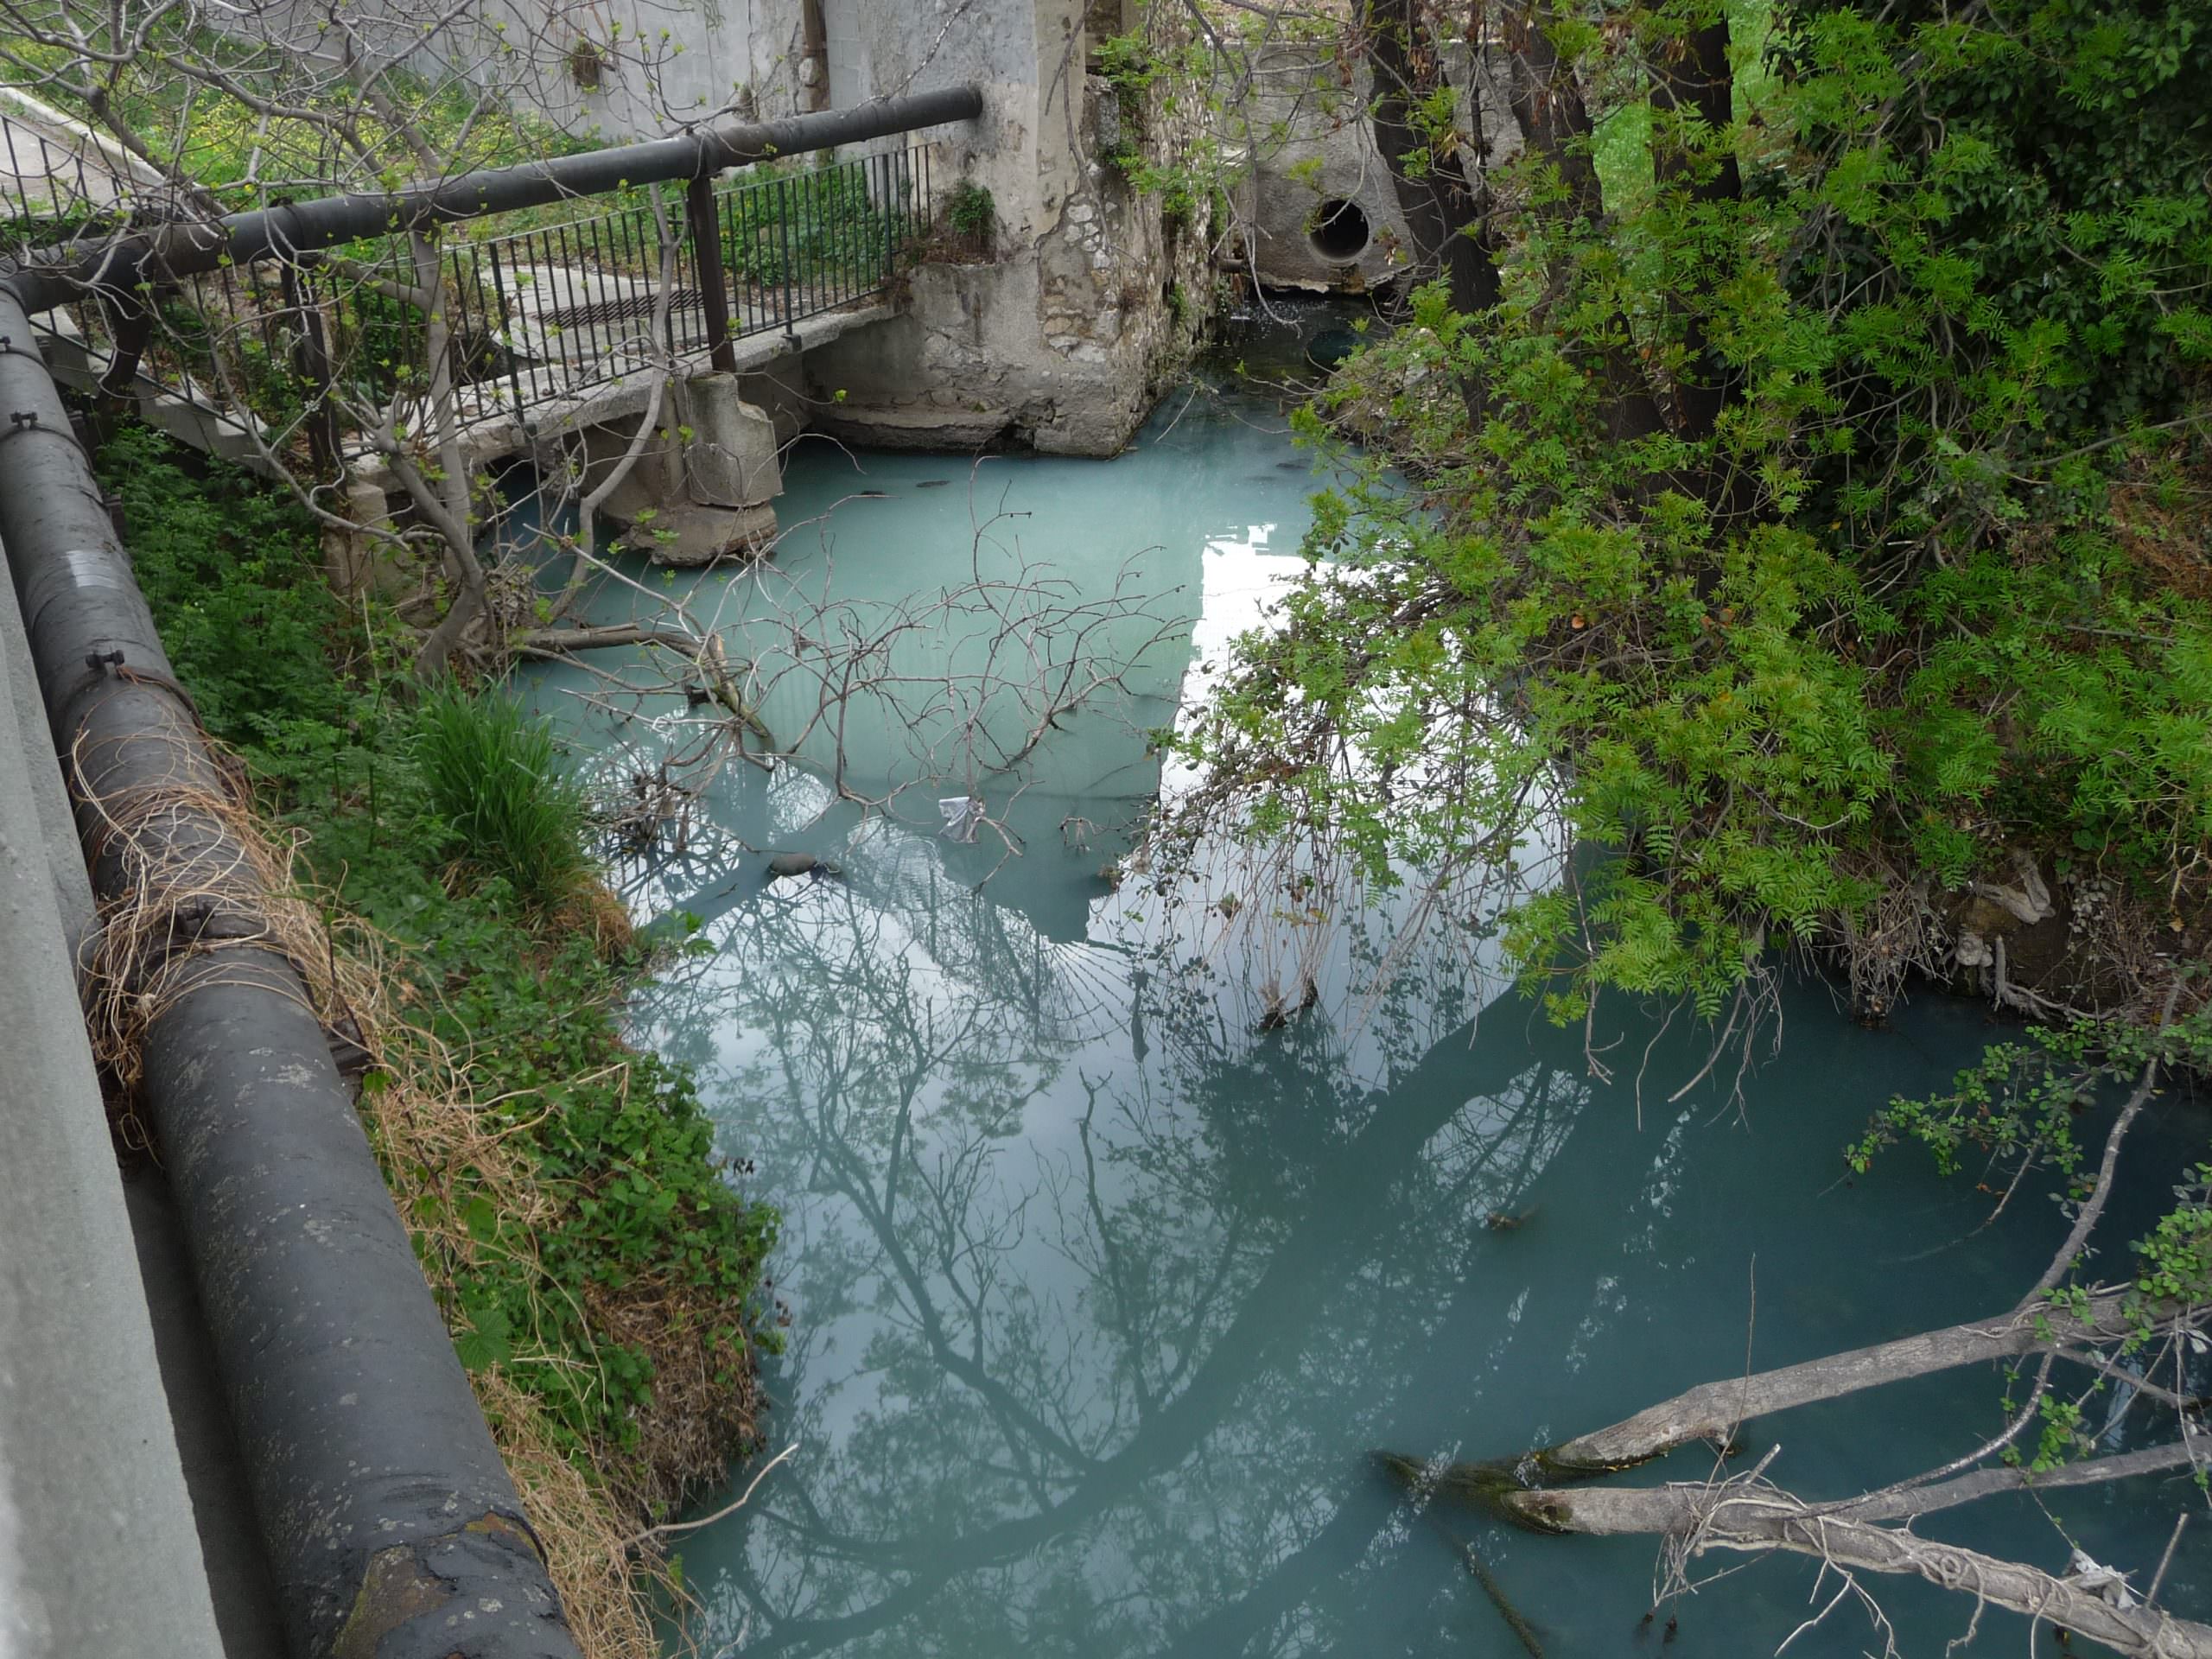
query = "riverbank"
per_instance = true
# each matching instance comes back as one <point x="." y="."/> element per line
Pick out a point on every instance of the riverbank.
<point x="598" y="1272"/>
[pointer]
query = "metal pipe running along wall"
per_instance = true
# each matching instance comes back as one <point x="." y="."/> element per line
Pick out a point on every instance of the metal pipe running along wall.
<point x="185" y="249"/>
<point x="391" y="1525"/>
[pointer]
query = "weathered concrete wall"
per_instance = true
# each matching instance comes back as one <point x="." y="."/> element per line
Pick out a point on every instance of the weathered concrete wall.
<point x="1313" y="147"/>
<point x="99" y="1553"/>
<point x="1060" y="339"/>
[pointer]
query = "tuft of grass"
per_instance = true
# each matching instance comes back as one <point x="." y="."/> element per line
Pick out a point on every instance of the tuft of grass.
<point x="497" y="781"/>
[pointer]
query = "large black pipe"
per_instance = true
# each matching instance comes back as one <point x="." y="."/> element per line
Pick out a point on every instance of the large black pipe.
<point x="184" y="250"/>
<point x="391" y="1526"/>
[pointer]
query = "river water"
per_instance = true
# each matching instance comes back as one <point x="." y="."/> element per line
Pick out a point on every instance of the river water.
<point x="1103" y="1284"/>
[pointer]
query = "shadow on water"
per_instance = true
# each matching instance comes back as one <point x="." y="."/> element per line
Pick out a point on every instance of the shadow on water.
<point x="1102" y="1293"/>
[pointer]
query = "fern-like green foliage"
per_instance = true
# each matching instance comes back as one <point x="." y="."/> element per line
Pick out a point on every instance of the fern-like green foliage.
<point x="1936" y="586"/>
<point x="640" y="1209"/>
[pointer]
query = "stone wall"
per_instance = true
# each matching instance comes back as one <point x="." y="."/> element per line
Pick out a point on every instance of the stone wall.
<point x="1060" y="339"/>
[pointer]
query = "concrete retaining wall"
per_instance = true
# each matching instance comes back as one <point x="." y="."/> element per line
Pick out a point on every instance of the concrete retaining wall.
<point x="99" y="1553"/>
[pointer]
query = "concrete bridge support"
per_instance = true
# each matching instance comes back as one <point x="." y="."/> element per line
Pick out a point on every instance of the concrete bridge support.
<point x="1059" y="335"/>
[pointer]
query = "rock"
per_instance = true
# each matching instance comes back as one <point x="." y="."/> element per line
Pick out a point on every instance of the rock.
<point x="689" y="535"/>
<point x="787" y="864"/>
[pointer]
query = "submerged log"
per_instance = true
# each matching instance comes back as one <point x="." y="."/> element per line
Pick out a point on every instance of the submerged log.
<point x="783" y="864"/>
<point x="1713" y="1412"/>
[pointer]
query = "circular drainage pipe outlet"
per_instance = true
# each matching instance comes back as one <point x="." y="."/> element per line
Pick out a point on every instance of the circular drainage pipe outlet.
<point x="1340" y="232"/>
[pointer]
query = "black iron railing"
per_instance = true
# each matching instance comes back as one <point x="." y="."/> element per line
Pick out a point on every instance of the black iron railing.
<point x="566" y="306"/>
<point x="541" y="304"/>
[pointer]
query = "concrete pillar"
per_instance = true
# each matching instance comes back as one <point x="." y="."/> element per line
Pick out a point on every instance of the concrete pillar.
<point x="730" y="455"/>
<point x="355" y="561"/>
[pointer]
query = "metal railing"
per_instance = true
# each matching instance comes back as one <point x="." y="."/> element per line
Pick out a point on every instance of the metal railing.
<point x="538" y="312"/>
<point x="306" y="321"/>
<point x="59" y="181"/>
<point x="567" y="307"/>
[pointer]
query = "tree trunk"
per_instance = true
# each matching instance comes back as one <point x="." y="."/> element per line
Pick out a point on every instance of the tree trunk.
<point x="1713" y="1412"/>
<point x="1441" y="207"/>
<point x="1555" y="121"/>
<point x="1556" y="125"/>
<point x="1698" y="78"/>
<point x="471" y="597"/>
<point x="1443" y="211"/>
<point x="1757" y="1518"/>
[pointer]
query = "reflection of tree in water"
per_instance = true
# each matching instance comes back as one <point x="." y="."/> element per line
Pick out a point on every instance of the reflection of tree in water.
<point x="1069" y="1228"/>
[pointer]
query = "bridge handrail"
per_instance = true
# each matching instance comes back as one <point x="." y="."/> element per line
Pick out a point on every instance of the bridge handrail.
<point x="119" y="265"/>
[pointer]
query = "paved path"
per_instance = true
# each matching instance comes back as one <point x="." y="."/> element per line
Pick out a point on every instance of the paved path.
<point x="54" y="167"/>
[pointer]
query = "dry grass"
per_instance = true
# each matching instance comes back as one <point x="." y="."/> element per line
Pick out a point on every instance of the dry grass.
<point x="605" y="1587"/>
<point x="2161" y="525"/>
<point x="434" y="1139"/>
<point x="196" y="878"/>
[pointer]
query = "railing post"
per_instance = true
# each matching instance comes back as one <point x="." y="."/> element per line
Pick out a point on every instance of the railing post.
<point x="783" y="236"/>
<point x="507" y="309"/>
<point x="706" y="255"/>
<point x="130" y="326"/>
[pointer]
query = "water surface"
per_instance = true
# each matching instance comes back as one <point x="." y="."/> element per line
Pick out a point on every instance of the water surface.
<point x="1104" y="1283"/>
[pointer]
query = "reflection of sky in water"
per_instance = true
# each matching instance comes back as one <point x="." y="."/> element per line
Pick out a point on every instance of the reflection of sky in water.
<point x="1102" y="1293"/>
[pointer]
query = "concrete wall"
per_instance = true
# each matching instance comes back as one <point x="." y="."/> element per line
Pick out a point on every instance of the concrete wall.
<point x="99" y="1553"/>
<point x="1313" y="146"/>
<point x="1057" y="339"/>
<point x="1060" y="339"/>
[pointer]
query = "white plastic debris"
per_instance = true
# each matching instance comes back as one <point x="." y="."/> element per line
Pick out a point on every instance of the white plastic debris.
<point x="963" y="815"/>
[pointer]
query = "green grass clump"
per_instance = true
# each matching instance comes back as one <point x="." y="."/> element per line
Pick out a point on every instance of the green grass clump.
<point x="497" y="781"/>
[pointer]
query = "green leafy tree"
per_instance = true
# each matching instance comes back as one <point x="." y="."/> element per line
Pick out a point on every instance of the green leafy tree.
<point x="1817" y="529"/>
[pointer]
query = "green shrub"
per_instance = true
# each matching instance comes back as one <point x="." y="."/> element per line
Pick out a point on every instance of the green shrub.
<point x="233" y="571"/>
<point x="804" y="224"/>
<point x="1820" y="522"/>
<point x="497" y="782"/>
<point x="973" y="215"/>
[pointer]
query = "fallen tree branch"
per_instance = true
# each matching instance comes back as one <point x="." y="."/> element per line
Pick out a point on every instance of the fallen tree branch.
<point x="2085" y="1221"/>
<point x="670" y="1529"/>
<point x="1714" y="1411"/>
<point x="1759" y="1518"/>
<point x="704" y="654"/>
<point x="1616" y="1512"/>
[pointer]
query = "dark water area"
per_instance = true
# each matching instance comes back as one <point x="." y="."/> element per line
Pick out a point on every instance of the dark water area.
<point x="1104" y="1284"/>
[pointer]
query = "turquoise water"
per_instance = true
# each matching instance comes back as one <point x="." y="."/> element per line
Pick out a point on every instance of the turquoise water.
<point x="1102" y="1286"/>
